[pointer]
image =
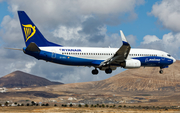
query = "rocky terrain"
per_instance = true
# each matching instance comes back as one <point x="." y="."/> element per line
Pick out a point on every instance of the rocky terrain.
<point x="143" y="86"/>
<point x="22" y="79"/>
<point x="142" y="79"/>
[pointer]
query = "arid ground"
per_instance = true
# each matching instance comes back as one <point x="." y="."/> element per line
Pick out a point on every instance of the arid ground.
<point x="80" y="110"/>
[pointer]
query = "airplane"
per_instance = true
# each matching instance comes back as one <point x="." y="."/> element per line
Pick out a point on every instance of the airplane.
<point x="106" y="59"/>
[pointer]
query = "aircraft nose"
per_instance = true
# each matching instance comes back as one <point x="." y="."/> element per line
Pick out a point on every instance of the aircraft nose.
<point x="174" y="60"/>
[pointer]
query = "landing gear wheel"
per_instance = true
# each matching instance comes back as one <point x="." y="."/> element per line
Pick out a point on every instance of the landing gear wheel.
<point x="108" y="71"/>
<point x="94" y="71"/>
<point x="161" y="71"/>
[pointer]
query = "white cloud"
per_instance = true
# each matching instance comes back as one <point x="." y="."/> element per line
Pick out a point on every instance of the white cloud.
<point x="131" y="39"/>
<point x="67" y="33"/>
<point x="108" y="7"/>
<point x="150" y="38"/>
<point x="51" y="12"/>
<point x="169" y="43"/>
<point x="172" y="43"/>
<point x="168" y="12"/>
<point x="29" y="66"/>
<point x="11" y="32"/>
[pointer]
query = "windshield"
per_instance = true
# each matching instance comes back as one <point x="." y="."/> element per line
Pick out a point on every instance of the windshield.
<point x="168" y="55"/>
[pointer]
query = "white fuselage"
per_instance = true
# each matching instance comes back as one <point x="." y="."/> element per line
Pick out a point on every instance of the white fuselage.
<point x="102" y="53"/>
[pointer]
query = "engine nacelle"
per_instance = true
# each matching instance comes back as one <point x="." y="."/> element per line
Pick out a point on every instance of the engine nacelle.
<point x="132" y="63"/>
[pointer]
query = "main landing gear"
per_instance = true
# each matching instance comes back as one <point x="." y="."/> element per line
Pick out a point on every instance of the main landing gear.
<point x="108" y="71"/>
<point x="161" y="71"/>
<point x="95" y="71"/>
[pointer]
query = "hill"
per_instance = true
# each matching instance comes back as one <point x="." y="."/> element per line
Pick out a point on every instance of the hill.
<point x="22" y="79"/>
<point x="144" y="79"/>
<point x="139" y="80"/>
<point x="143" y="86"/>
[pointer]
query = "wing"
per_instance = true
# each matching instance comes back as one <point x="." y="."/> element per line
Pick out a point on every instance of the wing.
<point x="120" y="55"/>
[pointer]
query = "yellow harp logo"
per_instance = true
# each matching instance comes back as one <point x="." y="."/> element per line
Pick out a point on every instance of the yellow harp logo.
<point x="29" y="31"/>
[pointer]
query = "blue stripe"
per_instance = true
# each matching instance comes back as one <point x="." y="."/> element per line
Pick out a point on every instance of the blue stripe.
<point x="125" y="43"/>
<point x="163" y="62"/>
<point x="64" y="59"/>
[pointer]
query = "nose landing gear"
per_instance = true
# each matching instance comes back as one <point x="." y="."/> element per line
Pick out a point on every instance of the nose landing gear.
<point x="161" y="71"/>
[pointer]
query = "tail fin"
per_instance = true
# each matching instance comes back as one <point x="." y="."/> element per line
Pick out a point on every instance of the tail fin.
<point x="31" y="32"/>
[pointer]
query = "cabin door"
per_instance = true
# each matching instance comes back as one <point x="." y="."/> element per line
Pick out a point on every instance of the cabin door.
<point x="53" y="54"/>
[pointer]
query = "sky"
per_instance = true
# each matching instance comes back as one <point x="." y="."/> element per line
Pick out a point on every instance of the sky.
<point x="151" y="24"/>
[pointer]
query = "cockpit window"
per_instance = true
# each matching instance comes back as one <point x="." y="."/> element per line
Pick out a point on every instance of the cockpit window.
<point x="169" y="55"/>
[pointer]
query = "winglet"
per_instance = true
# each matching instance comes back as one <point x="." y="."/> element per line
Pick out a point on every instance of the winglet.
<point x="125" y="42"/>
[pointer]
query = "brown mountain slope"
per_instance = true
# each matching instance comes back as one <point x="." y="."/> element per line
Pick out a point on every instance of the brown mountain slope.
<point x="21" y="79"/>
<point x="142" y="79"/>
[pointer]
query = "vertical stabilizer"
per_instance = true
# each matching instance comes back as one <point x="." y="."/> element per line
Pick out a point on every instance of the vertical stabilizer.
<point x="31" y="32"/>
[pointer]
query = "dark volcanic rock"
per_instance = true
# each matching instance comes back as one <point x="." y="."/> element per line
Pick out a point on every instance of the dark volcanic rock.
<point x="29" y="93"/>
<point x="21" y="79"/>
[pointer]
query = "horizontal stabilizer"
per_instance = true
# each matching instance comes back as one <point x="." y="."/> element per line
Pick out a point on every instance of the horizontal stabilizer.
<point x="33" y="47"/>
<point x="14" y="49"/>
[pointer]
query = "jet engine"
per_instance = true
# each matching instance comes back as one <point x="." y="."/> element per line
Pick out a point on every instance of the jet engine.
<point x="132" y="63"/>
